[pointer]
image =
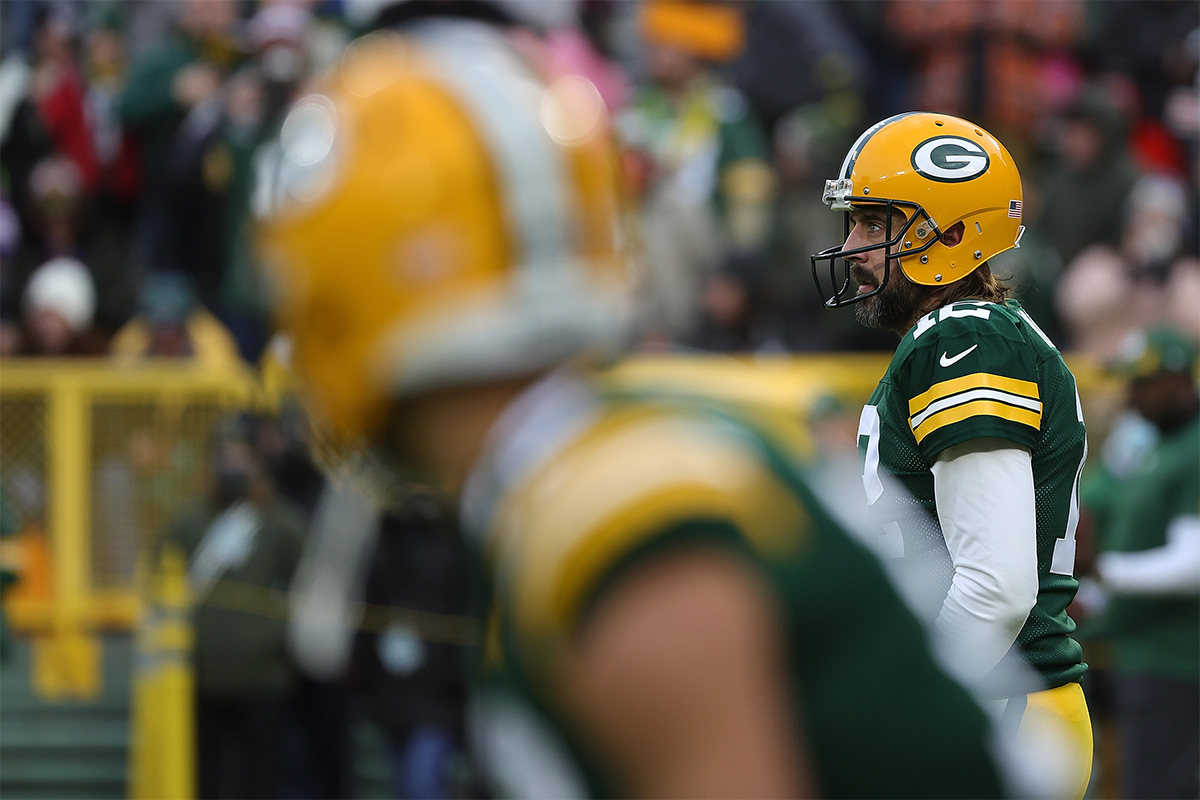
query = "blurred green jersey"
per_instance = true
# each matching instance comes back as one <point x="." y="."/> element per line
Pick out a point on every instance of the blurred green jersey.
<point x="1156" y="634"/>
<point x="576" y="486"/>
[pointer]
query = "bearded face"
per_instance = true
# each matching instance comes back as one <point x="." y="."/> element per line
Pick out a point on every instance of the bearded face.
<point x="894" y="307"/>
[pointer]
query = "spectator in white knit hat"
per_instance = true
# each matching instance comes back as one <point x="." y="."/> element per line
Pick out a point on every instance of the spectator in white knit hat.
<point x="57" y="312"/>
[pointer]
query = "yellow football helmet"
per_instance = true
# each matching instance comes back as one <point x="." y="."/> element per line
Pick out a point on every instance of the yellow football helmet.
<point x="439" y="215"/>
<point x="939" y="170"/>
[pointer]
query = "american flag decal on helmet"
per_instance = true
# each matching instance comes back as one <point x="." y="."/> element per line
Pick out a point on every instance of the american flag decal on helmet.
<point x="1014" y="209"/>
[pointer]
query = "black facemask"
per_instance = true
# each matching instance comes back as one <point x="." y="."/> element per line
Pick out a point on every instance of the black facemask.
<point x="842" y="289"/>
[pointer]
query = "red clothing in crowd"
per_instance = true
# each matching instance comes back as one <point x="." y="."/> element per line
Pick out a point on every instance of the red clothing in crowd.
<point x="61" y="109"/>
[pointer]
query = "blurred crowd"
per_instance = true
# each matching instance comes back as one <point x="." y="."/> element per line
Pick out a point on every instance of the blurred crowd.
<point x="306" y="626"/>
<point x="133" y="133"/>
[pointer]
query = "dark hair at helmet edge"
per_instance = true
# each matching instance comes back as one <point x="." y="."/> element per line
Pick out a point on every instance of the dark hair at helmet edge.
<point x="981" y="284"/>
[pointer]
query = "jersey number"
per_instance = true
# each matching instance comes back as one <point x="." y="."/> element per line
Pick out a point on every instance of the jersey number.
<point x="868" y="426"/>
<point x="891" y="540"/>
<point x="1063" y="561"/>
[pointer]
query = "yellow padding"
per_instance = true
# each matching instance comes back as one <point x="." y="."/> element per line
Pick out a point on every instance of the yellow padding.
<point x="1068" y="706"/>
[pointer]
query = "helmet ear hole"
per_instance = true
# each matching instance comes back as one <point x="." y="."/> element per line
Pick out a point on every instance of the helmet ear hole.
<point x="954" y="234"/>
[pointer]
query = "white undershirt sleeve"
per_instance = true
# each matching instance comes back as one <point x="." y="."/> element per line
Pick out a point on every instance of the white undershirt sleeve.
<point x="985" y="504"/>
<point x="1173" y="568"/>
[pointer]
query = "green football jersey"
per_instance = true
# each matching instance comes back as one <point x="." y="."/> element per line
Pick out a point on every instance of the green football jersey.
<point x="970" y="370"/>
<point x="1158" y="634"/>
<point x="589" y="485"/>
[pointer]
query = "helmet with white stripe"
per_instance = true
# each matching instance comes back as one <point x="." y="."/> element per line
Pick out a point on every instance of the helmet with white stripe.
<point x="440" y="216"/>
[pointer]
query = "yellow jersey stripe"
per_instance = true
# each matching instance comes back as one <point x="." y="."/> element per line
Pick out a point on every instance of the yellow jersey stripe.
<point x="968" y="396"/>
<point x="976" y="380"/>
<point x="977" y="408"/>
<point x="775" y="519"/>
<point x="578" y="516"/>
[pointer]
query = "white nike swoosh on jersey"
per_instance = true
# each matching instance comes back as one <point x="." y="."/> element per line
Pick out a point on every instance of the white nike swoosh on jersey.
<point x="946" y="362"/>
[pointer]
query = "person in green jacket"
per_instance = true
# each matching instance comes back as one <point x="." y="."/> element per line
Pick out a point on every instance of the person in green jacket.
<point x="1149" y="566"/>
<point x="702" y="159"/>
<point x="242" y="549"/>
<point x="164" y="86"/>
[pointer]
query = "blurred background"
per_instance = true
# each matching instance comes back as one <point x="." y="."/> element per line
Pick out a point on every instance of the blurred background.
<point x="166" y="631"/>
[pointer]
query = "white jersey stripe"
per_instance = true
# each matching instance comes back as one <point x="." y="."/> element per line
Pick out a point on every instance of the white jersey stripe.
<point x="852" y="156"/>
<point x="974" y="394"/>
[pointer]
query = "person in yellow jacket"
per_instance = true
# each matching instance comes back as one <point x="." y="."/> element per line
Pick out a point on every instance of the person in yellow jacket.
<point x="170" y="324"/>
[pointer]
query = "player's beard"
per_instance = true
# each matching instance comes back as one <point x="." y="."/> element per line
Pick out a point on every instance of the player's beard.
<point x="894" y="307"/>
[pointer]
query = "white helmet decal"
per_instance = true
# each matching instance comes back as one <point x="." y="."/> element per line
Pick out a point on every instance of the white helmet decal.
<point x="950" y="159"/>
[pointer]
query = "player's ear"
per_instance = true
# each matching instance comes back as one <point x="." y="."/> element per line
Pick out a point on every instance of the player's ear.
<point x="954" y="235"/>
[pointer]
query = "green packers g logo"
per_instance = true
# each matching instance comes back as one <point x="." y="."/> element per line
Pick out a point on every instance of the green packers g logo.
<point x="950" y="159"/>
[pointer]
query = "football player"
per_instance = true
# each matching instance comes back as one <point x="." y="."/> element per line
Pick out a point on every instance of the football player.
<point x="670" y="613"/>
<point x="973" y="442"/>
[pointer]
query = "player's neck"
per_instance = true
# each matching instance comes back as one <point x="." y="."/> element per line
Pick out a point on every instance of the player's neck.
<point x="441" y="433"/>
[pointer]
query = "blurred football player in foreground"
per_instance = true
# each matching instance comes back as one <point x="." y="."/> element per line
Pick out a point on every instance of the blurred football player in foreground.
<point x="977" y="417"/>
<point x="670" y="612"/>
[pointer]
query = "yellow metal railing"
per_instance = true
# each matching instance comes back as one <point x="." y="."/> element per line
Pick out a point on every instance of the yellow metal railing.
<point x="162" y="727"/>
<point x="100" y="458"/>
<point x="64" y="426"/>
